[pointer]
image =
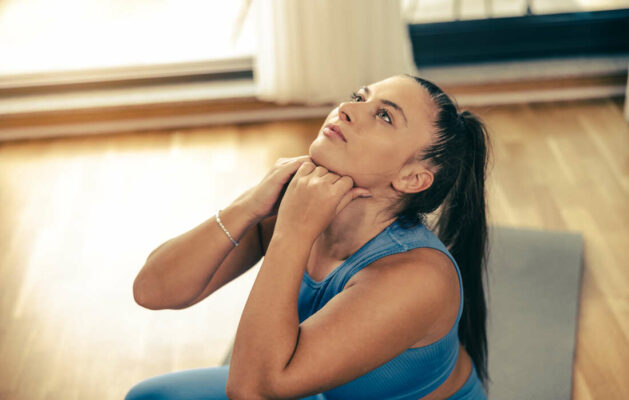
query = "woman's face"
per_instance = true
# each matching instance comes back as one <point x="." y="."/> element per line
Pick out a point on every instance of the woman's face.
<point x="380" y="137"/>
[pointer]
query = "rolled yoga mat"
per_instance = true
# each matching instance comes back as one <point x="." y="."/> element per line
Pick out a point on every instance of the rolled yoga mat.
<point x="534" y="283"/>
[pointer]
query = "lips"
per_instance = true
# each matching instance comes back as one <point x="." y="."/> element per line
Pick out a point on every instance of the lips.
<point x="336" y="130"/>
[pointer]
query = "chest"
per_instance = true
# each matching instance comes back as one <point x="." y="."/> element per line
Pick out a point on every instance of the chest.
<point x="319" y="269"/>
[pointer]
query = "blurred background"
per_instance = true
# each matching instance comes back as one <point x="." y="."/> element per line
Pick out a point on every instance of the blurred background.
<point x="126" y="123"/>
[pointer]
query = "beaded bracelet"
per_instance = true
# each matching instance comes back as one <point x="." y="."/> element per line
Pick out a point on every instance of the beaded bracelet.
<point x="218" y="219"/>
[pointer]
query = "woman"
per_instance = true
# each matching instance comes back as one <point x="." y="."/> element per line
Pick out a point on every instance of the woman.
<point x="356" y="298"/>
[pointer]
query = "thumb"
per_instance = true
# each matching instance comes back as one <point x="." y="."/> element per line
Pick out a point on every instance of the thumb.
<point x="360" y="192"/>
<point x="352" y="195"/>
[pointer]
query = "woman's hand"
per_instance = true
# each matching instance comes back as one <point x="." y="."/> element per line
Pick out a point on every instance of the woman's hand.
<point x="312" y="200"/>
<point x="265" y="197"/>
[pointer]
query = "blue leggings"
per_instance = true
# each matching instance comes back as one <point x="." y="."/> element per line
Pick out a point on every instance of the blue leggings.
<point x="194" y="384"/>
<point x="472" y="389"/>
<point x="209" y="384"/>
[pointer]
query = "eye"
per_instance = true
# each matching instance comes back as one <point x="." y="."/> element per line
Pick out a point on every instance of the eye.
<point x="385" y="113"/>
<point x="355" y="96"/>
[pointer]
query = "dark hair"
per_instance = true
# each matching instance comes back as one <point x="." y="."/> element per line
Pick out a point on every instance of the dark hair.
<point x="459" y="158"/>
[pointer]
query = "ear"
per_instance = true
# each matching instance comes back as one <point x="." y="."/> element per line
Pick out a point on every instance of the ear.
<point x="413" y="178"/>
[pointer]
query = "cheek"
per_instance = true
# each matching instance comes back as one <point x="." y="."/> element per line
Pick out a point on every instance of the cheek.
<point x="368" y="164"/>
<point x="374" y="157"/>
<point x="373" y="166"/>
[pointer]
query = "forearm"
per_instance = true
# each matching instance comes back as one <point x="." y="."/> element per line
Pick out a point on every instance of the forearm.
<point x="178" y="270"/>
<point x="268" y="330"/>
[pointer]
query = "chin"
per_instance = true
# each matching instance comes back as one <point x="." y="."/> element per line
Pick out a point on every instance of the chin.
<point x="322" y="156"/>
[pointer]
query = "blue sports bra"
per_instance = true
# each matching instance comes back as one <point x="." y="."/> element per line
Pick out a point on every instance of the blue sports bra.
<point x="415" y="372"/>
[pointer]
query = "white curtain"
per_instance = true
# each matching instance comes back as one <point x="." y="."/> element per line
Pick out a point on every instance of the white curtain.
<point x="319" y="51"/>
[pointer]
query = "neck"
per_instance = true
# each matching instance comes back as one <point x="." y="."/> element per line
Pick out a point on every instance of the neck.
<point x="354" y="226"/>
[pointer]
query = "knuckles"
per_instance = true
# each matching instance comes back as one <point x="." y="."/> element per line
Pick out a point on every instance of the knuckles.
<point x="320" y="176"/>
<point x="345" y="179"/>
<point x="307" y="164"/>
<point x="280" y="161"/>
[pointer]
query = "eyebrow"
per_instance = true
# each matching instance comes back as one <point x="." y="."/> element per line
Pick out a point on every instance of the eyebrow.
<point x="390" y="103"/>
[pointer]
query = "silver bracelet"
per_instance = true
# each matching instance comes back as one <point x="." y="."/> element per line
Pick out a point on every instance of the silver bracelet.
<point x="218" y="219"/>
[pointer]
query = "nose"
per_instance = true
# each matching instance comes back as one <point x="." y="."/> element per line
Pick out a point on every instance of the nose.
<point x="344" y="112"/>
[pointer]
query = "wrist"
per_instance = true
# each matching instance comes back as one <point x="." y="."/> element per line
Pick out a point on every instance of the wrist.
<point x="288" y="244"/>
<point x="294" y="232"/>
<point x="289" y="250"/>
<point x="245" y="208"/>
<point x="245" y="202"/>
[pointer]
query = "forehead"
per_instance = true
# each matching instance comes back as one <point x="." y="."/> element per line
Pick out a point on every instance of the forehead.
<point x="412" y="97"/>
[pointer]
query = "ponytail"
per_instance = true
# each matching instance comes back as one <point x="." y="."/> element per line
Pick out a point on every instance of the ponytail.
<point x="462" y="227"/>
<point x="459" y="154"/>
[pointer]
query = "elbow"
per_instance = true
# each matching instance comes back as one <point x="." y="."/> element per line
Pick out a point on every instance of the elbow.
<point x="234" y="390"/>
<point x="234" y="393"/>
<point x="142" y="294"/>
<point x="239" y="389"/>
<point x="146" y="295"/>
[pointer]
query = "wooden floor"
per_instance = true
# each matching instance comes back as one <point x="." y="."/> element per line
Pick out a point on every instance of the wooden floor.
<point x="79" y="216"/>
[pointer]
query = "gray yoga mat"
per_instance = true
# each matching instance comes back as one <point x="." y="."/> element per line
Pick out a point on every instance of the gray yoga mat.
<point x="534" y="280"/>
<point x="534" y="284"/>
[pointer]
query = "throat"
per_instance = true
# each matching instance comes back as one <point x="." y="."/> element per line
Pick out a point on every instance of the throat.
<point x="319" y="267"/>
<point x="342" y="238"/>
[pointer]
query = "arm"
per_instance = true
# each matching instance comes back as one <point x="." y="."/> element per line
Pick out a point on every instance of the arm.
<point x="400" y="300"/>
<point x="190" y="266"/>
<point x="239" y="259"/>
<point x="268" y="329"/>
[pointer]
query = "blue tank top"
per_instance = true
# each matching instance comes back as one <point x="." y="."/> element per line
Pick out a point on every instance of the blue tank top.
<point x="415" y="372"/>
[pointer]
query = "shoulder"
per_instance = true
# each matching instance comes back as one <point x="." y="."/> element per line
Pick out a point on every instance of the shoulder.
<point x="398" y="304"/>
<point x="423" y="264"/>
<point x="424" y="273"/>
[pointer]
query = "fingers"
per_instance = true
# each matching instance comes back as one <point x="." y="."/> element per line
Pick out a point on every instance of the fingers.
<point x="309" y="168"/>
<point x="345" y="182"/>
<point x="299" y="159"/>
<point x="321" y="171"/>
<point x="347" y="198"/>
<point x="350" y="196"/>
<point x="288" y="166"/>
<point x="306" y="168"/>
<point x="326" y="175"/>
